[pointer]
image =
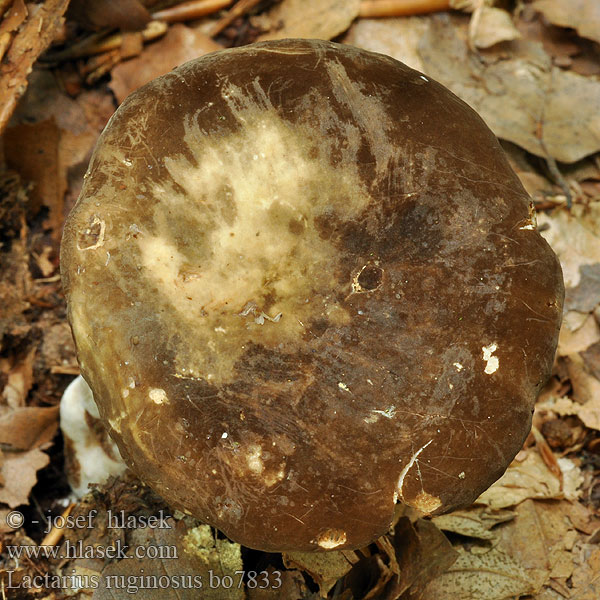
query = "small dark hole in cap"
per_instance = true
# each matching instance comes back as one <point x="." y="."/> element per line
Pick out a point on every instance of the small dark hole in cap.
<point x="370" y="277"/>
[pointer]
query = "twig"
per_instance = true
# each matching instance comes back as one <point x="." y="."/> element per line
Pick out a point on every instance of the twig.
<point x="242" y="7"/>
<point x="99" y="43"/>
<point x="153" y="30"/>
<point x="547" y="455"/>
<point x="5" y="40"/>
<point x="550" y="161"/>
<point x="190" y="10"/>
<point x="55" y="534"/>
<point x="400" y="8"/>
<point x="558" y="177"/>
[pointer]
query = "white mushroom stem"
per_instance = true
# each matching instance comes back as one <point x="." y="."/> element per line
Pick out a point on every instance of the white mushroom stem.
<point x="90" y="457"/>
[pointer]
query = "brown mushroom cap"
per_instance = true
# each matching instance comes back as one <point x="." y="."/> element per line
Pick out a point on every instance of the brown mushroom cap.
<point x="305" y="284"/>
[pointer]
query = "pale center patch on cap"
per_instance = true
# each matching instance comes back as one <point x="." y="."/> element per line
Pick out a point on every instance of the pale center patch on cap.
<point x="255" y="196"/>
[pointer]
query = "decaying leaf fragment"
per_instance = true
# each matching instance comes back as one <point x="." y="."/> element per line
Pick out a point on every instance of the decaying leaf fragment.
<point x="586" y="576"/>
<point x="27" y="427"/>
<point x="589" y="413"/>
<point x="477" y="522"/>
<point x="527" y="478"/>
<point x="582" y="15"/>
<point x="19" y="379"/>
<point x="490" y="25"/>
<point x="535" y="548"/>
<point x="489" y="574"/>
<point x="18" y="473"/>
<point x="179" y="45"/>
<point x="578" y="247"/>
<point x="525" y="100"/>
<point x="322" y="19"/>
<point x="397" y="38"/>
<point x="422" y="553"/>
<point x="325" y="569"/>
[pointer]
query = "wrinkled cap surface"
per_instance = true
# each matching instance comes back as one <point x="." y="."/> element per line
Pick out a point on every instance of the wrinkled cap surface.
<point x="305" y="285"/>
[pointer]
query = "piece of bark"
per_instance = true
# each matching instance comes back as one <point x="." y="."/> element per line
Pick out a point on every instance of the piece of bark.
<point x="36" y="34"/>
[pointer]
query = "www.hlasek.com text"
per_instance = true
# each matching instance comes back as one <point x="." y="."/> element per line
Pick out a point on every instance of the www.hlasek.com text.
<point x="79" y="550"/>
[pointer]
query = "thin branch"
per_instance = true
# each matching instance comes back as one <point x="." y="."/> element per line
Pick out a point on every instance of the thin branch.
<point x="401" y="8"/>
<point x="190" y="10"/>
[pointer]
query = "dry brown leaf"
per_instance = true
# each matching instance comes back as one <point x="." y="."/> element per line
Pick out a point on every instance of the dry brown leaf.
<point x="238" y="10"/>
<point x="44" y="262"/>
<point x="546" y="453"/>
<point x="529" y="478"/>
<point x="591" y="358"/>
<point x="586" y="63"/>
<point x="476" y="522"/>
<point x="397" y="38"/>
<point x="58" y="348"/>
<point x="586" y="576"/>
<point x="540" y="540"/>
<point x="402" y="8"/>
<point x="586" y="388"/>
<point x="28" y="427"/>
<point x="589" y="413"/>
<point x="32" y="150"/>
<point x="79" y="123"/>
<point x="525" y="100"/>
<point x="576" y="337"/>
<point x="490" y="575"/>
<point x="492" y="25"/>
<point x="321" y="19"/>
<point x="586" y="171"/>
<point x="586" y="295"/>
<point x="324" y="567"/>
<point x="574" y="243"/>
<point x="422" y="553"/>
<point x="180" y="44"/>
<point x="582" y="518"/>
<point x="572" y="479"/>
<point x="578" y="249"/>
<point x="582" y="15"/>
<point x="536" y="185"/>
<point x="187" y="11"/>
<point x="563" y="45"/>
<point x="19" y="473"/>
<point x="19" y="379"/>
<point x="132" y="44"/>
<point x="574" y="320"/>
